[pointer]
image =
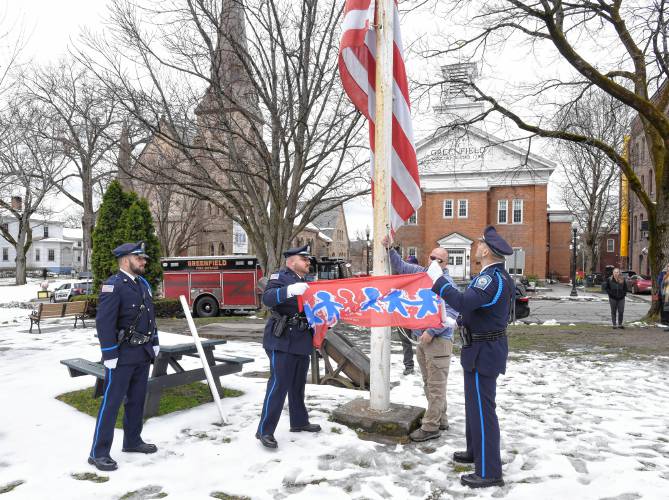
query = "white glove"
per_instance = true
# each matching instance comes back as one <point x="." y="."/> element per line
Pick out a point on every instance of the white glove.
<point x="434" y="271"/>
<point x="156" y="350"/>
<point x="450" y="322"/>
<point x="110" y="363"/>
<point x="296" y="289"/>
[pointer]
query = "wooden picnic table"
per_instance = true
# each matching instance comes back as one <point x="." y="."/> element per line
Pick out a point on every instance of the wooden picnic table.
<point x="159" y="379"/>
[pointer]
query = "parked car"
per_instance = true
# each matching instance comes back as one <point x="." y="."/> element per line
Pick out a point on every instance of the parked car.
<point x="640" y="283"/>
<point x="522" y="302"/>
<point x="66" y="291"/>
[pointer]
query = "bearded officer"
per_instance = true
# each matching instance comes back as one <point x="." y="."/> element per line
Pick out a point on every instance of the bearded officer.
<point x="485" y="306"/>
<point x="126" y="326"/>
<point x="288" y="343"/>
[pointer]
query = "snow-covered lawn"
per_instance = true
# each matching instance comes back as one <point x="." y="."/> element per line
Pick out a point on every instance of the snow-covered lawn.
<point x="573" y="427"/>
<point x="25" y="293"/>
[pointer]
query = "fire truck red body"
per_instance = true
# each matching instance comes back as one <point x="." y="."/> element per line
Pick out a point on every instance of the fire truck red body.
<point x="212" y="284"/>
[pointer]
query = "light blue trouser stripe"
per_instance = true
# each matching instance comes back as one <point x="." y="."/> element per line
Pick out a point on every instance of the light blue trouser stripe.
<point x="278" y="298"/>
<point x="262" y="424"/>
<point x="478" y="395"/>
<point x="102" y="411"/>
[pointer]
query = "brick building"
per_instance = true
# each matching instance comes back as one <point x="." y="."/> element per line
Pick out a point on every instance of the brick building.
<point x="470" y="179"/>
<point x="609" y="251"/>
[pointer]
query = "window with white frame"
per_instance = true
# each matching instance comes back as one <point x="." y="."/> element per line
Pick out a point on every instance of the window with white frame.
<point x="463" y="206"/>
<point x="37" y="255"/>
<point x="517" y="211"/>
<point x="502" y="212"/>
<point x="412" y="251"/>
<point x="448" y="209"/>
<point x="46" y="231"/>
<point x="610" y="245"/>
<point x="5" y="253"/>
<point x="413" y="220"/>
<point x="52" y="255"/>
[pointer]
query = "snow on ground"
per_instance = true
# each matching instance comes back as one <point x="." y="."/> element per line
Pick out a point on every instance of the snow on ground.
<point x="24" y="293"/>
<point x="577" y="427"/>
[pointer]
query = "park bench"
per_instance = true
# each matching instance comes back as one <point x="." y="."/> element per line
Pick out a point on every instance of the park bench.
<point x="76" y="310"/>
<point x="159" y="380"/>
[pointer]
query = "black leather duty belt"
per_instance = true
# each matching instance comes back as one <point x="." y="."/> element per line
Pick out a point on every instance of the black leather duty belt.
<point x="484" y="337"/>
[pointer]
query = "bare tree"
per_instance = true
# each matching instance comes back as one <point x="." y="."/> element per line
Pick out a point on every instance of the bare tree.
<point x="591" y="179"/>
<point x="251" y="89"/>
<point x="86" y="125"/>
<point x="618" y="48"/>
<point x="28" y="165"/>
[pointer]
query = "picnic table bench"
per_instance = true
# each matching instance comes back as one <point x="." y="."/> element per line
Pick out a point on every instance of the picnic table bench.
<point x="77" y="310"/>
<point x="159" y="379"/>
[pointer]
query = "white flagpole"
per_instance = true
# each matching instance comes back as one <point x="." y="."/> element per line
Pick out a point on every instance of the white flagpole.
<point x="379" y="397"/>
<point x="203" y="358"/>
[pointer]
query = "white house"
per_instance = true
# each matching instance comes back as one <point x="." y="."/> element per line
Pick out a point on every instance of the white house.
<point x="55" y="247"/>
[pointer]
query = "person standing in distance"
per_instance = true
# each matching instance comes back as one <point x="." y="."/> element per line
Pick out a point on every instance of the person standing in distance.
<point x="288" y="343"/>
<point x="434" y="349"/>
<point x="126" y="326"/>
<point x="405" y="336"/>
<point x="485" y="307"/>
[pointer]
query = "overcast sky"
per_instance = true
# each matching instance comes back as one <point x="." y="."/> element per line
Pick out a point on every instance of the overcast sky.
<point x="50" y="26"/>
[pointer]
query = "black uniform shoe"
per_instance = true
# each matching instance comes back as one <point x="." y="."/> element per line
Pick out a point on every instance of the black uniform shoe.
<point x="463" y="457"/>
<point x="408" y="370"/>
<point x="306" y="428"/>
<point x="142" y="448"/>
<point x="420" y="435"/>
<point x="267" y="440"/>
<point x="103" y="463"/>
<point x="622" y="327"/>
<point x="476" y="481"/>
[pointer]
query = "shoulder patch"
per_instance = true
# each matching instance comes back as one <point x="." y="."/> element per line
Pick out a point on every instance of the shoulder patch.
<point x="107" y="289"/>
<point x="483" y="281"/>
<point x="274" y="276"/>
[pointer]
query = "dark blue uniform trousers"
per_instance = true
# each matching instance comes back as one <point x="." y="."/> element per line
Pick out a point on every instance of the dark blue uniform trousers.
<point x="482" y="426"/>
<point x="127" y="382"/>
<point x="288" y="375"/>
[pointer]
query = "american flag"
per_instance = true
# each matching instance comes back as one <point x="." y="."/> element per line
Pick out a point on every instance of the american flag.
<point x="357" y="67"/>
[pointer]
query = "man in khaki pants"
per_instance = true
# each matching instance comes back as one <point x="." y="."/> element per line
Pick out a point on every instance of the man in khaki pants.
<point x="433" y="350"/>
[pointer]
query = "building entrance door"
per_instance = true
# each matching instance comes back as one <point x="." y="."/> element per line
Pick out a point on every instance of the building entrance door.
<point x="456" y="263"/>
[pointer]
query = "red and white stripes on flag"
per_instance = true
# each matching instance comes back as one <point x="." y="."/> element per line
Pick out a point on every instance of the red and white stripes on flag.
<point x="357" y="67"/>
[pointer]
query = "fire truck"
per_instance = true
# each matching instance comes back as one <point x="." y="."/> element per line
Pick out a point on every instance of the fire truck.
<point x="213" y="284"/>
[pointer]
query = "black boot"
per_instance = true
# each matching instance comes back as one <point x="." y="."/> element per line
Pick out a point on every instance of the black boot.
<point x="476" y="481"/>
<point x="267" y="440"/>
<point x="103" y="463"/>
<point x="306" y="428"/>
<point x="141" y="448"/>
<point x="463" y="457"/>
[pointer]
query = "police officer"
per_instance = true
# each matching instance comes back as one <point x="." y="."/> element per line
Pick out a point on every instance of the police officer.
<point x="288" y="343"/>
<point x="485" y="306"/>
<point x="126" y="326"/>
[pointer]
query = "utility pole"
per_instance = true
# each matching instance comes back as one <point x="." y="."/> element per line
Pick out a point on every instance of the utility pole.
<point x="379" y="397"/>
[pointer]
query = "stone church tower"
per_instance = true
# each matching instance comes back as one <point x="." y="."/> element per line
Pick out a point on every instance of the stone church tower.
<point x="228" y="110"/>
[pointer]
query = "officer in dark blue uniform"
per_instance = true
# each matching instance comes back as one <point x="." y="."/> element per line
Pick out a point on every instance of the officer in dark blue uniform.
<point x="485" y="306"/>
<point x="126" y="326"/>
<point x="288" y="343"/>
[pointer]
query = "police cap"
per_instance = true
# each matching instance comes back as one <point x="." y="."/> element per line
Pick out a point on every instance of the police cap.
<point x="496" y="243"/>
<point x="297" y="251"/>
<point x="130" y="249"/>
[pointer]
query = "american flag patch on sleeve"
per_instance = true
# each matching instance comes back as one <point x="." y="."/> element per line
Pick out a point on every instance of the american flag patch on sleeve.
<point x="107" y="288"/>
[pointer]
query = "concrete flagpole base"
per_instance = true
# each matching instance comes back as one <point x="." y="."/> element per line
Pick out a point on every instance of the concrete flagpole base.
<point x="392" y="425"/>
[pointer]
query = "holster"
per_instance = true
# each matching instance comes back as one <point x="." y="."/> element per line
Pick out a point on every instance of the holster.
<point x="280" y="322"/>
<point x="465" y="336"/>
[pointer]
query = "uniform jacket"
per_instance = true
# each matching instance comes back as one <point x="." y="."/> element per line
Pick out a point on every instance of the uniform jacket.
<point x="294" y="340"/>
<point x="485" y="307"/>
<point x="614" y="289"/>
<point x="401" y="267"/>
<point x="118" y="305"/>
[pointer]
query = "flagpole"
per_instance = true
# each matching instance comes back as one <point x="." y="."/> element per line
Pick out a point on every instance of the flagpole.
<point x="379" y="397"/>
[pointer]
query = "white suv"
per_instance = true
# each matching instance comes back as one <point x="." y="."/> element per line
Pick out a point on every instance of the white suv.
<point x="66" y="291"/>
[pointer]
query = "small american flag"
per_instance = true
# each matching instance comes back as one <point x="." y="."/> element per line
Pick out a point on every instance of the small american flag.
<point x="357" y="67"/>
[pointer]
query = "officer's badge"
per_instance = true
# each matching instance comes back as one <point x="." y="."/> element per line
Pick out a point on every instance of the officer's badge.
<point x="483" y="281"/>
<point x="107" y="289"/>
<point x="274" y="276"/>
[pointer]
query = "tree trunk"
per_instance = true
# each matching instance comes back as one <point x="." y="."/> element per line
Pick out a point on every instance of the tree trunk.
<point x="658" y="225"/>
<point x="87" y="220"/>
<point x="21" y="248"/>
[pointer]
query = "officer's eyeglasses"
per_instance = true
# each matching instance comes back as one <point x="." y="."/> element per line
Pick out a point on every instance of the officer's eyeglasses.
<point x="432" y="257"/>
